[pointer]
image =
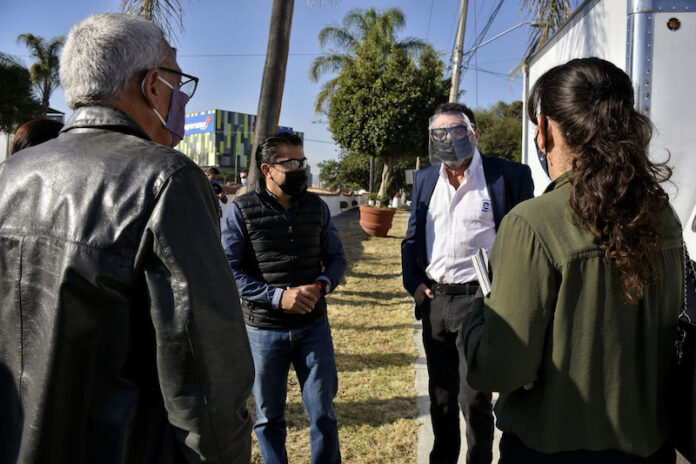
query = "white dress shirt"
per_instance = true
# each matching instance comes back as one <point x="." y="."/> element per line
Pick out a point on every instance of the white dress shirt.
<point x="458" y="223"/>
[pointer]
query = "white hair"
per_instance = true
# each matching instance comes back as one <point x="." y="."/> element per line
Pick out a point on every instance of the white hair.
<point x="103" y="53"/>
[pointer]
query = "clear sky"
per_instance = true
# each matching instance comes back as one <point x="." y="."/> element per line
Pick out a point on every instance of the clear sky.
<point x="224" y="43"/>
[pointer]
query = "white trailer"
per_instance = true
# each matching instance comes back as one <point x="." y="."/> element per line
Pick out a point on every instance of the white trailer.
<point x="654" y="42"/>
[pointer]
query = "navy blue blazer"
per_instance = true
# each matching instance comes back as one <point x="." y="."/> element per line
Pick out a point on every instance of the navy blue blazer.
<point x="508" y="183"/>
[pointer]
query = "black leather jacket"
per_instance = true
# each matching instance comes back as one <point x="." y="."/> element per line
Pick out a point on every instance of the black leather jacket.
<point x="121" y="335"/>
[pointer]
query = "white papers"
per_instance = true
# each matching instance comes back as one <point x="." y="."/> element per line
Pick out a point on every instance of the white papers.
<point x="480" y="261"/>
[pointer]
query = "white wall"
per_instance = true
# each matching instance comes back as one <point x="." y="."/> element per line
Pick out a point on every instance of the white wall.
<point x="598" y="31"/>
<point x="333" y="202"/>
<point x="602" y="31"/>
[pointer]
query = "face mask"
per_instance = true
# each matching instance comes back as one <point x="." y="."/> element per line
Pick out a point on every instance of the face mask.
<point x="176" y="117"/>
<point x="452" y="151"/>
<point x="244" y="181"/>
<point x="542" y="158"/>
<point x="452" y="139"/>
<point x="295" y="183"/>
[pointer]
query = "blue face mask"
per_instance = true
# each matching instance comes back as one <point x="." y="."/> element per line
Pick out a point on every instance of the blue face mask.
<point x="542" y="158"/>
<point x="244" y="180"/>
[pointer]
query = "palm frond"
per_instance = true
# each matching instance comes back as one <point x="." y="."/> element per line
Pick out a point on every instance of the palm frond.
<point x="321" y="105"/>
<point x="165" y="13"/>
<point x="337" y="35"/>
<point x="327" y="64"/>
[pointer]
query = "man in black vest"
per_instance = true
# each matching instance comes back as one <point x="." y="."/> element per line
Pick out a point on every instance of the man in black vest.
<point x="286" y="256"/>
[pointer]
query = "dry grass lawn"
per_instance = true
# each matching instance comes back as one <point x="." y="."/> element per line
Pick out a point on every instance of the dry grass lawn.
<point x="372" y="324"/>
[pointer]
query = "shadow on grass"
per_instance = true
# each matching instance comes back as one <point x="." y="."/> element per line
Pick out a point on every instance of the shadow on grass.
<point x="365" y="275"/>
<point x="375" y="412"/>
<point x="371" y="412"/>
<point x="355" y="362"/>
<point x="365" y="302"/>
<point x="363" y="327"/>
<point x="374" y="295"/>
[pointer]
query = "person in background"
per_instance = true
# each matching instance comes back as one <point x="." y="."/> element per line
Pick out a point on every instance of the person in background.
<point x="121" y="334"/>
<point x="577" y="333"/>
<point x="35" y="132"/>
<point x="286" y="254"/>
<point x="457" y="206"/>
<point x="243" y="175"/>
<point x="213" y="174"/>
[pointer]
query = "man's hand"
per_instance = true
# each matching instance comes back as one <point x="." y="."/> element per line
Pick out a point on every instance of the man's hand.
<point x="300" y="300"/>
<point x="421" y="293"/>
<point x="222" y="197"/>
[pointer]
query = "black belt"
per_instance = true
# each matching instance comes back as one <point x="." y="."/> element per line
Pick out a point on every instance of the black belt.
<point x="469" y="288"/>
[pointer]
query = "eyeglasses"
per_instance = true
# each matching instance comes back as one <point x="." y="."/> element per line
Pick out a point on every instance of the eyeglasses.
<point x="440" y="134"/>
<point x="188" y="83"/>
<point x="292" y="163"/>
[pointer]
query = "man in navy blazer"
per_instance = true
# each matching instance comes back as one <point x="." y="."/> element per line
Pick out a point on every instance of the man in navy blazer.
<point x="456" y="207"/>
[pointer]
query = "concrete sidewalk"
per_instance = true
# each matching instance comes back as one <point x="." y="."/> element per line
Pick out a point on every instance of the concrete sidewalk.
<point x="425" y="429"/>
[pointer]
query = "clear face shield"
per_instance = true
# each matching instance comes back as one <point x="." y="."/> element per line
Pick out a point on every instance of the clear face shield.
<point x="452" y="139"/>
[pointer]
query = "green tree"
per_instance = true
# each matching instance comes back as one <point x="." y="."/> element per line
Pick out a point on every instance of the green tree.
<point x="381" y="104"/>
<point x="17" y="102"/>
<point x="330" y="174"/>
<point x="358" y="28"/>
<point x="501" y="130"/>
<point x="44" y="72"/>
<point x="350" y="172"/>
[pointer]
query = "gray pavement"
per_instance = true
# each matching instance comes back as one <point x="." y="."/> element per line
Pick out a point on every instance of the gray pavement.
<point x="425" y="429"/>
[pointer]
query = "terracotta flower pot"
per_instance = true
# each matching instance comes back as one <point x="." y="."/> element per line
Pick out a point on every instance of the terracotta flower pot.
<point x="376" y="221"/>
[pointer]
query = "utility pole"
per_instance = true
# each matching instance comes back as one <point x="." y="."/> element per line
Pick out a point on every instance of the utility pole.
<point x="458" y="51"/>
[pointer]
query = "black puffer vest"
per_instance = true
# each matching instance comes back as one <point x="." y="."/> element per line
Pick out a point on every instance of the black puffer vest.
<point x="282" y="253"/>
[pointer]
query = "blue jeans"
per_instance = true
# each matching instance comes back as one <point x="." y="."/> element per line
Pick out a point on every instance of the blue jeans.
<point x="310" y="350"/>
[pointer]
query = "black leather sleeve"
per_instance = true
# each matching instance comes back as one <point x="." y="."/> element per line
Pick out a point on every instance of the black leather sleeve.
<point x="204" y="361"/>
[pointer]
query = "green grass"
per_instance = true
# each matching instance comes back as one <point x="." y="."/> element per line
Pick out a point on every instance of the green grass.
<point x="372" y="324"/>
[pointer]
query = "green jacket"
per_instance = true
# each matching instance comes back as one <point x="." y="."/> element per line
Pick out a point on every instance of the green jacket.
<point x="557" y="317"/>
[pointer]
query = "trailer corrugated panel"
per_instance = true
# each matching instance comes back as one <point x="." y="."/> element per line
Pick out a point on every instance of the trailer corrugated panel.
<point x="634" y="35"/>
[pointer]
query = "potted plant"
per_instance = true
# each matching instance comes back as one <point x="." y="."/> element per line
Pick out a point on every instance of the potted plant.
<point x="376" y="220"/>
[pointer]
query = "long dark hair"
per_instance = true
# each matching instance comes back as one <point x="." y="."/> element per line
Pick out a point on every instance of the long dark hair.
<point x="615" y="186"/>
<point x="34" y="132"/>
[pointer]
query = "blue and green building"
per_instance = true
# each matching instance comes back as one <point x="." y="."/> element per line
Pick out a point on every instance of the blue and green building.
<point x="221" y="138"/>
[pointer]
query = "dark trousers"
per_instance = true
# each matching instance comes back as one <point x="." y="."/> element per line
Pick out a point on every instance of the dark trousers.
<point x="513" y="451"/>
<point x="447" y="368"/>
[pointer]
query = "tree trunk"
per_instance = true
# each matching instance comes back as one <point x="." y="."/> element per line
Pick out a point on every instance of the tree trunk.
<point x="386" y="174"/>
<point x="371" y="187"/>
<point x="45" y="97"/>
<point x="273" y="80"/>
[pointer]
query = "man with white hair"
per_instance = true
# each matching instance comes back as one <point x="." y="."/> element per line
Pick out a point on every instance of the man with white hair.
<point x="121" y="336"/>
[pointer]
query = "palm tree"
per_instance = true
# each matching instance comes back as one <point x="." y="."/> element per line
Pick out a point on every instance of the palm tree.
<point x="161" y="12"/>
<point x="550" y="15"/>
<point x="44" y="73"/>
<point x="273" y="81"/>
<point x="358" y="27"/>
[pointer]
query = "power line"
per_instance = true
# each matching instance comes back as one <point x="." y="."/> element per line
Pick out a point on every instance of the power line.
<point x="485" y="29"/>
<point x="319" y="141"/>
<point x="226" y="55"/>
<point x="430" y="17"/>
<point x="487" y="71"/>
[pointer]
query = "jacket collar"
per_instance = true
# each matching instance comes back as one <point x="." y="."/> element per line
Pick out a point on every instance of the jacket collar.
<point x="560" y="181"/>
<point x="104" y="117"/>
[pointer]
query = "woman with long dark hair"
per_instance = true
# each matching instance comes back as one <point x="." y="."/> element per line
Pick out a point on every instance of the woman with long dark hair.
<point x="577" y="333"/>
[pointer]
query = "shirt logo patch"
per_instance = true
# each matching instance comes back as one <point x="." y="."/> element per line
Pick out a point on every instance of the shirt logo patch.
<point x="486" y="206"/>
